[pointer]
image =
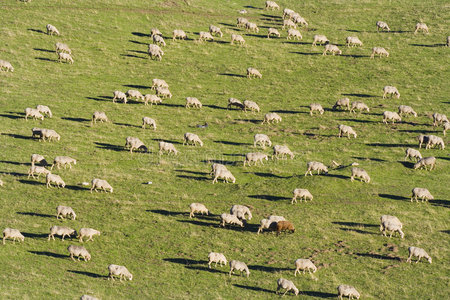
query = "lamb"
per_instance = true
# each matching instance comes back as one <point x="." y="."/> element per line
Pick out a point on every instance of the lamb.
<point x="159" y="40"/>
<point x="234" y="102"/>
<point x="262" y="140"/>
<point x="251" y="27"/>
<point x="80" y="251"/>
<point x="215" y="30"/>
<point x="119" y="95"/>
<point x="205" y="36"/>
<point x="241" y="22"/>
<point x="37" y="170"/>
<point x="383" y="26"/>
<point x="446" y="126"/>
<point x="252" y="72"/>
<point x="34" y="113"/>
<point x="89" y="233"/>
<point x="433" y="141"/>
<point x="198" y="208"/>
<point x="230" y="219"/>
<point x="379" y="51"/>
<point x="315" y="107"/>
<point x="250" y="105"/>
<point x="61" y="230"/>
<point x="167" y="147"/>
<point x="347" y="290"/>
<point x="237" y="38"/>
<point x="421" y="26"/>
<point x="272" y="5"/>
<point x="64" y="211"/>
<point x="56" y="179"/>
<point x="360" y="173"/>
<point x="37" y="132"/>
<point x="192" y="139"/>
<point x="422" y="193"/>
<point x="391" y="115"/>
<point x="155" y="31"/>
<point x="392" y="224"/>
<point x="154" y="51"/>
<point x="65" y="57"/>
<point x="52" y="30"/>
<point x="344" y="129"/>
<point x="321" y="39"/>
<point x="425" y="162"/>
<point x="315" y="166"/>
<point x="134" y="143"/>
<point x="163" y="92"/>
<point x="63" y="161"/>
<point x="282" y="150"/>
<point x="304" y="264"/>
<point x="439" y="119"/>
<point x="14" y="234"/>
<point x="390" y="90"/>
<point x="37" y="158"/>
<point x="238" y="266"/>
<point x="6" y="65"/>
<point x="121" y="271"/>
<point x="353" y="41"/>
<point x="148" y="121"/>
<point x="214" y="257"/>
<point x="99" y="116"/>
<point x="294" y="34"/>
<point x="418" y="252"/>
<point x="289" y="23"/>
<point x="343" y="102"/>
<point x="134" y="94"/>
<point x="45" y="110"/>
<point x="194" y="102"/>
<point x="49" y="134"/>
<point x="287" y="285"/>
<point x="405" y="109"/>
<point x="270" y="223"/>
<point x="357" y="105"/>
<point x="100" y="184"/>
<point x="285" y="226"/>
<point x="178" y="33"/>
<point x="225" y="175"/>
<point x="271" y="117"/>
<point x="255" y="157"/>
<point x="241" y="211"/>
<point x="273" y="31"/>
<point x="413" y="153"/>
<point x="331" y="48"/>
<point x="61" y="47"/>
<point x="159" y="83"/>
<point x="302" y="194"/>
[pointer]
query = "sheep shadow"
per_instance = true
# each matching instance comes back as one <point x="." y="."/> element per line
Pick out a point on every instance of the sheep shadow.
<point x="197" y="178"/>
<point x="305" y="53"/>
<point x="35" y="235"/>
<point x="288" y="112"/>
<point x="137" y="42"/>
<point x="36" y="30"/>
<point x="293" y="42"/>
<point x="76" y="188"/>
<point x="379" y="256"/>
<point x="192" y="172"/>
<point x="33" y="214"/>
<point x="96" y="99"/>
<point x="140" y="34"/>
<point x="168" y="213"/>
<point x="368" y="158"/>
<point x="269" y="197"/>
<point x="49" y="254"/>
<point x="138" y="51"/>
<point x="227" y="24"/>
<point x="223" y="162"/>
<point x="172" y="105"/>
<point x="215" y="107"/>
<point x="353" y="30"/>
<point x="211" y="224"/>
<point x="254" y="121"/>
<point x="32" y="182"/>
<point x="417" y="131"/>
<point x="233" y="75"/>
<point x="354" y="224"/>
<point x="445" y="231"/>
<point x="268" y="269"/>
<point x="389" y="145"/>
<point x="268" y="175"/>
<point x="443" y="203"/>
<point x="262" y="36"/>
<point x="133" y="56"/>
<point x="354" y="55"/>
<point x="407" y="164"/>
<point x="14" y="174"/>
<point x="358" y="120"/>
<point x="443" y="157"/>
<point x="75" y="119"/>
<point x="232" y="143"/>
<point x="185" y="261"/>
<point x="428" y="46"/>
<point x="359" y="95"/>
<point x="110" y="147"/>
<point x="203" y="268"/>
<point x="127" y="125"/>
<point x="356" y="230"/>
<point x="46" y="59"/>
<point x="254" y="288"/>
<point x="10" y="116"/>
<point x="14" y="163"/>
<point x="234" y="154"/>
<point x="393" y="197"/>
<point x="338" y="176"/>
<point x="89" y="274"/>
<point x="318" y="294"/>
<point x="18" y="136"/>
<point x="137" y="86"/>
<point x="168" y="141"/>
<point x="43" y="50"/>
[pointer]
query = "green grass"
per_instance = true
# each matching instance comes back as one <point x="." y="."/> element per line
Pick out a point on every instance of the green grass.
<point x="146" y="227"/>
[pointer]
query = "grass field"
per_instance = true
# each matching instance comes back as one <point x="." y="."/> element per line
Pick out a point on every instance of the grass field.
<point x="147" y="227"/>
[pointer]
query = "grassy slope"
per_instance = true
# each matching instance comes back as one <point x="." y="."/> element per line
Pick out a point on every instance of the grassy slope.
<point x="144" y="226"/>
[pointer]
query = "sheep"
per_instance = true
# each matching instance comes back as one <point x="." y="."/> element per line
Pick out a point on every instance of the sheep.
<point x="63" y="161"/>
<point x="89" y="233"/>
<point x="56" y="179"/>
<point x="250" y="105"/>
<point x="215" y="30"/>
<point x="154" y="31"/>
<point x="64" y="211"/>
<point x="285" y="226"/>
<point x="159" y="83"/>
<point x="119" y="95"/>
<point x="163" y="92"/>
<point x="230" y="219"/>
<point x="421" y="26"/>
<point x="287" y="13"/>
<point x="240" y="211"/>
<point x="225" y="175"/>
<point x="88" y="297"/>
<point x="405" y="109"/>
<point x="237" y="38"/>
<point x="321" y="39"/>
<point x="379" y="51"/>
<point x="344" y="129"/>
<point x="315" y="107"/>
<point x="198" y="208"/>
<point x="422" y="193"/>
<point x="37" y="132"/>
<point x="100" y="184"/>
<point x="167" y="147"/>
<point x="289" y="23"/>
<point x="34" y="113"/>
<point x="315" y="166"/>
<point x="391" y="115"/>
<point x="99" y="116"/>
<point x="435" y="140"/>
<point x="255" y="157"/>
<point x="282" y="150"/>
<point x="439" y="119"/>
<point x="242" y="11"/>
<point x="121" y="271"/>
<point x="154" y="51"/>
<point x="148" y="121"/>
<point x="234" y="102"/>
<point x="241" y="22"/>
<point x="252" y="72"/>
<point x="238" y="266"/>
<point x="205" y="36"/>
<point x="62" y="231"/>
<point x="272" y="5"/>
<point x="37" y="158"/>
<point x="49" y="134"/>
<point x="45" y="110"/>
<point x="52" y="30"/>
<point x="299" y="19"/>
<point x="360" y="173"/>
<point x="37" y="170"/>
<point x="134" y="94"/>
<point x="270" y="223"/>
<point x="61" y="47"/>
<point x="423" y="139"/>
<point x="214" y="257"/>
<point x="134" y="143"/>
<point x="425" y="162"/>
<point x="80" y="251"/>
<point x="251" y="27"/>
<point x="287" y="285"/>
<point x="446" y="126"/>
<point x="343" y="102"/>
<point x="6" y="66"/>
<point x="262" y="140"/>
<point x="383" y="26"/>
<point x="193" y="102"/>
<point x="14" y="234"/>
<point x="273" y="31"/>
<point x="331" y="48"/>
<point x="347" y="290"/>
<point x="271" y="117"/>
<point x="65" y="57"/>
<point x="390" y="90"/>
<point x="304" y="264"/>
<point x="392" y="224"/>
<point x="413" y="153"/>
<point x="157" y="39"/>
<point x="192" y="139"/>
<point x="353" y="41"/>
<point x="419" y="252"/>
<point x="215" y="167"/>
<point x="302" y="194"/>
<point x="178" y="33"/>
<point x="294" y="34"/>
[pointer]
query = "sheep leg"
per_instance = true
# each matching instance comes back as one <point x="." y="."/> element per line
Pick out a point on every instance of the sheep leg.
<point x="71" y="256"/>
<point x="285" y="292"/>
<point x="418" y="259"/>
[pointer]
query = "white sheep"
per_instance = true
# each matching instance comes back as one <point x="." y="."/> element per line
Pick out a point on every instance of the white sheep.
<point x="353" y="41"/>
<point x="148" y="121"/>
<point x="251" y="27"/>
<point x="255" y="157"/>
<point x="357" y="105"/>
<point x="197" y="208"/>
<point x="286" y="285"/>
<point x="261" y="140"/>
<point x="101" y="184"/>
<point x="37" y="158"/>
<point x="391" y="224"/>
<point x="383" y="26"/>
<point x="347" y="290"/>
<point x="283" y="151"/>
<point x="315" y="107"/>
<point x="178" y="33"/>
<point x="435" y="140"/>
<point x="379" y="51"/>
<point x="214" y="257"/>
<point x="425" y="162"/>
<point x="343" y="102"/>
<point x="418" y="252"/>
<point x="6" y="66"/>
<point x="271" y="118"/>
<point x="119" y="95"/>
<point x="315" y="166"/>
<point x="391" y="90"/>
<point x="52" y="30"/>
<point x="360" y="173"/>
<point x="391" y="115"/>
<point x="80" y="251"/>
<point x="446" y="126"/>
<point x="230" y="219"/>
<point x="238" y="266"/>
<point x="344" y="129"/>
<point x="225" y="175"/>
<point x="304" y="264"/>
<point x="49" y="134"/>
<point x="237" y="38"/>
<point x="439" y="119"/>
<point x="37" y="170"/>
<point x="14" y="234"/>
<point x="154" y="31"/>
<point x="121" y="271"/>
<point x="421" y="26"/>
<point x="294" y="34"/>
<point x="205" y="36"/>
<point x="89" y="233"/>
<point x="163" y="92"/>
<point x="320" y="39"/>
<point x="287" y="13"/>
<point x="289" y="23"/>
<point x="61" y="47"/>
<point x="157" y="39"/>
<point x="88" y="297"/>
<point x="405" y="109"/>
<point x="159" y="83"/>
<point x="45" y="110"/>
<point x="270" y="223"/>
<point x="167" y="147"/>
<point x="134" y="143"/>
<point x="273" y="31"/>
<point x="413" y="153"/>
<point x="134" y="94"/>
<point x="154" y="51"/>
<point x="192" y="139"/>
<point x="65" y="57"/>
<point x="65" y="211"/>
<point x="241" y="22"/>
<point x="421" y="193"/>
<point x="215" y="167"/>
<point x="153" y="99"/>
<point x="56" y="179"/>
<point x="234" y="102"/>
<point x="241" y="211"/>
<point x="63" y="161"/>
<point x="193" y="102"/>
<point x="302" y="194"/>
<point x="99" y="116"/>
<point x="299" y="19"/>
<point x="272" y="5"/>
<point x="62" y="231"/>
<point x="331" y="48"/>
<point x="33" y="113"/>
<point x="215" y="30"/>
<point x="252" y="72"/>
<point x="250" y="105"/>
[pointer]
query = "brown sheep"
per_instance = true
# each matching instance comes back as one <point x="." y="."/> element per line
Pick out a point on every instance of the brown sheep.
<point x="284" y="226"/>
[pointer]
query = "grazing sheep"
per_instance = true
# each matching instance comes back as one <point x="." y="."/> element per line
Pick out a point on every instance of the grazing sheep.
<point x="353" y="41"/>
<point x="287" y="285"/>
<point x="134" y="94"/>
<point x="45" y="110"/>
<point x="56" y="179"/>
<point x="238" y="266"/>
<point x="285" y="226"/>
<point x="230" y="219"/>
<point x="52" y="30"/>
<point x="61" y="47"/>
<point x="405" y="109"/>
<point x="251" y="27"/>
<point x="89" y="233"/>
<point x="423" y="139"/>
<point x="294" y="34"/>
<point x="344" y="129"/>
<point x="37" y="158"/>
<point x="347" y="290"/>
<point x="163" y="92"/>
<point x="283" y="151"/>
<point x="237" y="38"/>
<point x="159" y="40"/>
<point x="425" y="162"/>
<point x="49" y="134"/>
<point x="287" y="13"/>
<point x="65" y="57"/>
<point x="178" y="33"/>
<point x="167" y="147"/>
<point x="331" y="48"/>
<point x="315" y="166"/>
<point x="304" y="264"/>
<point x="413" y="153"/>
<point x="357" y="105"/>
<point x="155" y="31"/>
<point x="64" y="211"/>
<point x="193" y="102"/>
<point x="343" y="102"/>
<point x="391" y="90"/>
<point x="80" y="251"/>
<point x="192" y="139"/>
<point x="215" y="167"/>
<point x="205" y="36"/>
<point x="379" y="51"/>
<point x="270" y="223"/>
<point x="435" y="140"/>
<point x="34" y="113"/>
<point x="299" y="19"/>
<point x="315" y="107"/>
<point x="446" y="126"/>
<point x="225" y="175"/>
<point x="302" y="194"/>
<point x="321" y="39"/>
<point x="154" y="51"/>
<point x="99" y="116"/>
<point x="234" y="102"/>
<point x="418" y="252"/>
<point x="422" y="193"/>
<point x="62" y="231"/>
<point x="6" y="66"/>
<point x="119" y="95"/>
<point x="14" y="234"/>
<point x="37" y="132"/>
<point x="439" y="119"/>
<point x="121" y="271"/>
<point x="148" y="121"/>
<point x="255" y="157"/>
<point x="262" y="140"/>
<point x="215" y="30"/>
<point x="252" y="72"/>
<point x="421" y="26"/>
<point x="272" y="5"/>
<point x="383" y="26"/>
<point x="100" y="184"/>
<point x="159" y="83"/>
<point x="214" y="257"/>
<point x="37" y="170"/>
<point x="134" y="143"/>
<point x="241" y="22"/>
<point x="63" y="161"/>
<point x="391" y="115"/>
<point x="250" y="105"/>
<point x="391" y="224"/>
<point x="88" y="297"/>
<point x="240" y="211"/>
<point x="360" y="173"/>
<point x="273" y="31"/>
<point x="271" y="117"/>
<point x="198" y="208"/>
<point x="289" y="23"/>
